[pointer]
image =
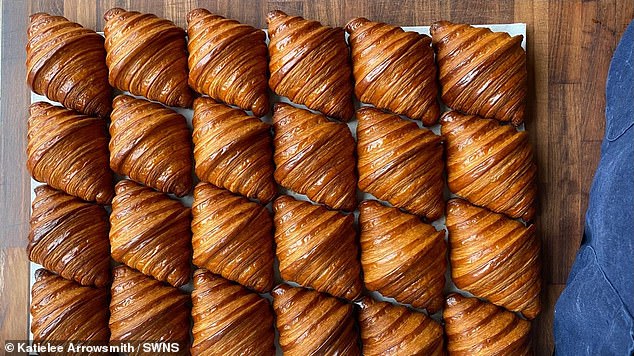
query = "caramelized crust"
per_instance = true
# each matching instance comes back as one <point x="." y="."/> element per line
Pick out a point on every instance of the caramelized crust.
<point x="69" y="152"/>
<point x="310" y="64"/>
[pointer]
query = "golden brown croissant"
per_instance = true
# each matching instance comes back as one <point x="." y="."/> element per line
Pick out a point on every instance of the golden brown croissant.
<point x="150" y="232"/>
<point x="144" y="309"/>
<point x="310" y="64"/>
<point x="490" y="165"/>
<point x="394" y="69"/>
<point x="316" y="247"/>
<point x="400" y="163"/>
<point x="67" y="63"/>
<point x="494" y="257"/>
<point x="147" y="56"/>
<point x="151" y="144"/>
<point x="313" y="323"/>
<point x="481" y="72"/>
<point x="233" y="150"/>
<point x="70" y="237"/>
<point x="63" y="311"/>
<point x="229" y="319"/>
<point x="228" y="61"/>
<point x="233" y="237"/>
<point x="69" y="152"/>
<point x="474" y="327"/>
<point x="388" y="329"/>
<point x="314" y="156"/>
<point x="402" y="257"/>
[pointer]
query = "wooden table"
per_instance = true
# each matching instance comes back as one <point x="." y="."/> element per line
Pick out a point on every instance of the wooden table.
<point x="570" y="43"/>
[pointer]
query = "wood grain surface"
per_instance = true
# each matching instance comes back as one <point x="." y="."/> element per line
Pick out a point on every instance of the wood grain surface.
<point x="570" y="44"/>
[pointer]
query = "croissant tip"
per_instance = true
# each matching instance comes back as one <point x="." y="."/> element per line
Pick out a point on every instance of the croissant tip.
<point x="280" y="289"/>
<point x="355" y="23"/>
<point x="438" y="25"/>
<point x="41" y="274"/>
<point x="38" y="106"/>
<point x="37" y="15"/>
<point x="275" y="14"/>
<point x="197" y="13"/>
<point x="453" y="299"/>
<point x="112" y="13"/>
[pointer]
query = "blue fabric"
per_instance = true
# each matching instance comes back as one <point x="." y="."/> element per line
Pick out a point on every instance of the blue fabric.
<point x="593" y="315"/>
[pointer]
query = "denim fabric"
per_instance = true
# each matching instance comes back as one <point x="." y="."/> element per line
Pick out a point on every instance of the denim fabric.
<point x="593" y="315"/>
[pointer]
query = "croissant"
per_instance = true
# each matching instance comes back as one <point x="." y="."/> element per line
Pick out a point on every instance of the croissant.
<point x="310" y="64"/>
<point x="390" y="329"/>
<point x="228" y="61"/>
<point x="70" y="237"/>
<point x="144" y="309"/>
<point x="69" y="152"/>
<point x="229" y="319"/>
<point x="233" y="150"/>
<point x="67" y="63"/>
<point x="314" y="156"/>
<point x="474" y="327"/>
<point x="402" y="257"/>
<point x="151" y="144"/>
<point x="490" y="165"/>
<point x="150" y="232"/>
<point x="316" y="247"/>
<point x="494" y="257"/>
<point x="400" y="163"/>
<point x="313" y="323"/>
<point x="481" y="72"/>
<point x="63" y="311"/>
<point x="394" y="69"/>
<point x="147" y="56"/>
<point x="233" y="237"/>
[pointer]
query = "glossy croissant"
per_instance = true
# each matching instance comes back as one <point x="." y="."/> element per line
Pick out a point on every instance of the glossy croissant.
<point x="151" y="233"/>
<point x="316" y="247"/>
<point x="474" y="327"/>
<point x="481" y="72"/>
<point x="490" y="165"/>
<point x="151" y="144"/>
<point x="69" y="152"/>
<point x="233" y="150"/>
<point x="67" y="63"/>
<point x="402" y="257"/>
<point x="228" y="61"/>
<point x="147" y="55"/>
<point x="394" y="69"/>
<point x="70" y="237"/>
<point x="310" y="64"/>
<point x="400" y="163"/>
<point x="229" y="319"/>
<point x="233" y="237"/>
<point x="494" y="257"/>
<point x="391" y="329"/>
<point x="313" y="323"/>
<point x="314" y="156"/>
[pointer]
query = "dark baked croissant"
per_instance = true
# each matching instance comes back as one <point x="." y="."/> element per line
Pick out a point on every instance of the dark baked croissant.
<point x="394" y="69"/>
<point x="400" y="163"/>
<point x="64" y="311"/>
<point x="67" y="63"/>
<point x="494" y="257"/>
<point x="233" y="150"/>
<point x="147" y="56"/>
<point x="229" y="319"/>
<point x="316" y="247"/>
<point x="233" y="237"/>
<point x="389" y="329"/>
<point x="490" y="165"/>
<point x="310" y="64"/>
<point x="151" y="144"/>
<point x="228" y="61"/>
<point x="70" y="237"/>
<point x="402" y="257"/>
<point x="143" y="309"/>
<point x="69" y="151"/>
<point x="314" y="156"/>
<point x="150" y="232"/>
<point x="313" y="323"/>
<point x="474" y="327"/>
<point x="481" y="72"/>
